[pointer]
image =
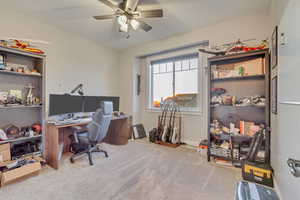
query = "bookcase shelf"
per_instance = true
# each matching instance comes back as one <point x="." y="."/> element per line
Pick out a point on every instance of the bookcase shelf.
<point x="238" y="87"/>
<point x="254" y="77"/>
<point x="12" y="82"/>
<point x="4" y="72"/>
<point x="238" y="107"/>
<point x="222" y="157"/>
<point x="21" y="139"/>
<point x="21" y="107"/>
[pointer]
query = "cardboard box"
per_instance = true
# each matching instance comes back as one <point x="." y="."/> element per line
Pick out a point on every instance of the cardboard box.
<point x="5" y="152"/>
<point x="252" y="67"/>
<point x="245" y="128"/>
<point x="20" y="173"/>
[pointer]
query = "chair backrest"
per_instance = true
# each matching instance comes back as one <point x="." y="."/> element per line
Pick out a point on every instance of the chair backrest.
<point x="98" y="128"/>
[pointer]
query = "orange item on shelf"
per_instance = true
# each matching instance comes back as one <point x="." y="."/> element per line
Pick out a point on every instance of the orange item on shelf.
<point x="242" y="127"/>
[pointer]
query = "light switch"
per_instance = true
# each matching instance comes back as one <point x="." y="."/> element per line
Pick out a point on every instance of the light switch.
<point x="283" y="39"/>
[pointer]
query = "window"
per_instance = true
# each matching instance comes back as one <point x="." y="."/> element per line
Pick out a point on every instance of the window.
<point x="175" y="78"/>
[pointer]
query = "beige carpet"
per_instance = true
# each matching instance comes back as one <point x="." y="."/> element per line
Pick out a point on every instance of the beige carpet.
<point x="137" y="171"/>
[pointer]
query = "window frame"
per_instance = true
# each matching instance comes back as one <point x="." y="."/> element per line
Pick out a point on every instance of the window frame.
<point x="201" y="91"/>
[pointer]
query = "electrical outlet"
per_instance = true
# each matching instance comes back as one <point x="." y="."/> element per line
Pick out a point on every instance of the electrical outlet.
<point x="283" y="39"/>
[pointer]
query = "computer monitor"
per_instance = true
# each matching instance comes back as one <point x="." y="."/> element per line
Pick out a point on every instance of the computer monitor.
<point x="65" y="104"/>
<point x="92" y="103"/>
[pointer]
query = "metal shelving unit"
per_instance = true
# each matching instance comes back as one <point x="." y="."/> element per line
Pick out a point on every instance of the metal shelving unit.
<point x="23" y="115"/>
<point x="239" y="86"/>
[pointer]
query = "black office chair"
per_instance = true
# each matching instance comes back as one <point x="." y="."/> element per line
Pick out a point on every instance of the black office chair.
<point x="85" y="141"/>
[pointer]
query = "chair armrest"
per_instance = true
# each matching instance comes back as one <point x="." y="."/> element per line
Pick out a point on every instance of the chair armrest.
<point x="77" y="131"/>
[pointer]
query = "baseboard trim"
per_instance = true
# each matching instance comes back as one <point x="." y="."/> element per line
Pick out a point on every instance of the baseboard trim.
<point x="190" y="142"/>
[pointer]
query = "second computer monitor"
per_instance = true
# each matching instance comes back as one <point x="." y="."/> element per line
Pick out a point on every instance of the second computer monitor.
<point x="92" y="103"/>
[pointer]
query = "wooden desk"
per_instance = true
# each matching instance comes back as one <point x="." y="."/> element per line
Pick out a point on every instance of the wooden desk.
<point x="57" y="136"/>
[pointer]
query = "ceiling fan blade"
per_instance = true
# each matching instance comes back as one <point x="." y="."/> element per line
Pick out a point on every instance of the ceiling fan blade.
<point x="109" y="4"/>
<point x="150" y="13"/>
<point x="102" y="17"/>
<point x="143" y="25"/>
<point x="131" y="5"/>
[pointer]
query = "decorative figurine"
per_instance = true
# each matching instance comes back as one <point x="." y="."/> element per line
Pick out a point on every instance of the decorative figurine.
<point x="22" y="44"/>
<point x="2" y="62"/>
<point x="241" y="71"/>
<point x="12" y="131"/>
<point x="3" y="135"/>
<point x="29" y="98"/>
<point x="235" y="47"/>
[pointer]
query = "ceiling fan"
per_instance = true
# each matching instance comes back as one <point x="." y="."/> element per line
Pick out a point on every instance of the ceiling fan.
<point x="128" y="15"/>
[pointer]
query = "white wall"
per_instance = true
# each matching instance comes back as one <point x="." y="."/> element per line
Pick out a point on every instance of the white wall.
<point x="277" y="10"/>
<point x="71" y="59"/>
<point x="243" y="27"/>
<point x="285" y="126"/>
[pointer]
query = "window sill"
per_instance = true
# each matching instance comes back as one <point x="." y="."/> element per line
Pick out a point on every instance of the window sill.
<point x="158" y="110"/>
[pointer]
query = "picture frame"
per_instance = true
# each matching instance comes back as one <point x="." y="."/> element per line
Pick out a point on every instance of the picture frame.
<point x="138" y="84"/>
<point x="274" y="95"/>
<point x="274" y="48"/>
<point x="138" y="131"/>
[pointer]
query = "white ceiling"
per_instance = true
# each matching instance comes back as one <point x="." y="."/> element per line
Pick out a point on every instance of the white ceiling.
<point x="179" y="16"/>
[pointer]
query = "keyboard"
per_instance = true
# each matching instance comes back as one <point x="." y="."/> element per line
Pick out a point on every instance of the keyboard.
<point x="73" y="121"/>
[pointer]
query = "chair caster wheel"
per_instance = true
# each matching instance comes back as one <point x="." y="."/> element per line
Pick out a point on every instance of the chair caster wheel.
<point x="71" y="160"/>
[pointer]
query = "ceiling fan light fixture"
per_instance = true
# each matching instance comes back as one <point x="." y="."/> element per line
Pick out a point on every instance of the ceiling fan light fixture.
<point x="122" y="20"/>
<point x="124" y="28"/>
<point x="129" y="15"/>
<point x="135" y="24"/>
